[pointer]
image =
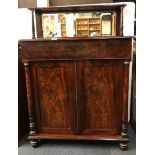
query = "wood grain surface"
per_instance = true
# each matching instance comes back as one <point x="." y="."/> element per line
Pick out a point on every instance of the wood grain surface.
<point x="99" y="48"/>
<point x="100" y="101"/>
<point x="53" y="84"/>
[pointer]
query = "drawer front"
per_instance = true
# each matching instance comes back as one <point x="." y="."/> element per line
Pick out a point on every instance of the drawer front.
<point x="77" y="49"/>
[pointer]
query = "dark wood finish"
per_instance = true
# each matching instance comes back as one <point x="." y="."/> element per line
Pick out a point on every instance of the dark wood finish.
<point x="118" y="22"/>
<point x="30" y="100"/>
<point x="99" y="109"/>
<point x="78" y="87"/>
<point x="80" y="8"/>
<point x="77" y="2"/>
<point x="23" y="123"/>
<point x="54" y="96"/>
<point x="77" y="48"/>
<point x="39" y="25"/>
<point x="120" y="30"/>
<point x="125" y="100"/>
<point x="121" y="22"/>
<point x="80" y="137"/>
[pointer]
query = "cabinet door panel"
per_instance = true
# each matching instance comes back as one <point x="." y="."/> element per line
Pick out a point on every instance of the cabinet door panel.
<point x="100" y="85"/>
<point x="55" y="96"/>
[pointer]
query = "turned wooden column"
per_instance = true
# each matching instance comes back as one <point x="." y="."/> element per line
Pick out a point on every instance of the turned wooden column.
<point x="30" y="100"/>
<point x="39" y="29"/>
<point x="119" y="22"/>
<point x="124" y="133"/>
<point x="33" y="132"/>
<point x="33" y="25"/>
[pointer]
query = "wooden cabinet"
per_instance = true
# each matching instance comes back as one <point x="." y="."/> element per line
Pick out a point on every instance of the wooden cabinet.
<point x="77" y="88"/>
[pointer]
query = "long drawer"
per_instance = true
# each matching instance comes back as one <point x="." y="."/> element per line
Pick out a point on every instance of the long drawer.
<point x="77" y="48"/>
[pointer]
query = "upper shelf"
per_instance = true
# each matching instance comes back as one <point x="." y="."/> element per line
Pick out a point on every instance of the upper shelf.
<point x="81" y="8"/>
<point x="116" y="8"/>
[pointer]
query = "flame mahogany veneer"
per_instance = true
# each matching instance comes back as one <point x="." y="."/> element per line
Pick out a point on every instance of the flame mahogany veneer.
<point x="77" y="88"/>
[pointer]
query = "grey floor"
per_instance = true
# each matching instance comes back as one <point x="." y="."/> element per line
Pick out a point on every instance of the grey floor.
<point x="78" y="148"/>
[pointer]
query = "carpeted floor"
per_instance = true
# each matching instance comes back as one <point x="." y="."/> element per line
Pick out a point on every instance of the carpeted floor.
<point x="78" y="148"/>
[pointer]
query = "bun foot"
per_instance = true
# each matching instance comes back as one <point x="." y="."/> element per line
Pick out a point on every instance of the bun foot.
<point x="123" y="146"/>
<point x="34" y="143"/>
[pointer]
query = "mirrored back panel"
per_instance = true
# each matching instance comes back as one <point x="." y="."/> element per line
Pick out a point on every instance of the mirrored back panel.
<point x="80" y="20"/>
<point x="84" y="24"/>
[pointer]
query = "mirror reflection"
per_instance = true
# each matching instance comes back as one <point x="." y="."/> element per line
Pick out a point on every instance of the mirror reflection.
<point x="79" y="24"/>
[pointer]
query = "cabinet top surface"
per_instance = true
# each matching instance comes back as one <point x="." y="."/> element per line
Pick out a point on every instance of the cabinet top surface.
<point x="83" y="7"/>
<point x="75" y="38"/>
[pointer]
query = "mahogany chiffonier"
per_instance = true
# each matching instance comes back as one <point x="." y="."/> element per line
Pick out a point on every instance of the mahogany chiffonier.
<point x="77" y="87"/>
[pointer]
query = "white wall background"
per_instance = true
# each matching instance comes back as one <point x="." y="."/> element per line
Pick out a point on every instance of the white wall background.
<point x="128" y="20"/>
<point x="25" y="20"/>
<point x="24" y="24"/>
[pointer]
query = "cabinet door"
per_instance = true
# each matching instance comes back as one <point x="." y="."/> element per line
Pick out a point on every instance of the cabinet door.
<point x="100" y="86"/>
<point x="54" y="96"/>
